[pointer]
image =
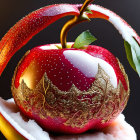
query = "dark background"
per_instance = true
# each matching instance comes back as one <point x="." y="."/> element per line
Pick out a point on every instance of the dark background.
<point x="13" y="10"/>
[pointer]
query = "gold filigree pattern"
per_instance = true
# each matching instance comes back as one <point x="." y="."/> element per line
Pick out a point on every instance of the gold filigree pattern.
<point x="100" y="101"/>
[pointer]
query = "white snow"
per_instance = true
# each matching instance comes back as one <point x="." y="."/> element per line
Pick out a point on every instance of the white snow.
<point x="118" y="130"/>
<point x="29" y="129"/>
<point x="88" y="64"/>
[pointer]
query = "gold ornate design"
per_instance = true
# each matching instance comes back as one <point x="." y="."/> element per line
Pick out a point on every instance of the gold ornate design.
<point x="101" y="101"/>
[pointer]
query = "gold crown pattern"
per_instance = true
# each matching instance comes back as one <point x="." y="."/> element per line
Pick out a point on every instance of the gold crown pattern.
<point x="77" y="108"/>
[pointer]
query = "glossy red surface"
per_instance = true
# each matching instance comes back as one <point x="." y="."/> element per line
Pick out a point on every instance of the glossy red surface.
<point x="63" y="74"/>
<point x="56" y="66"/>
<point x="58" y="69"/>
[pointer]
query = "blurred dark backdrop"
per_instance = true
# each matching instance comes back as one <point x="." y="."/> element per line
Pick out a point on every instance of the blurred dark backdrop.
<point x="13" y="10"/>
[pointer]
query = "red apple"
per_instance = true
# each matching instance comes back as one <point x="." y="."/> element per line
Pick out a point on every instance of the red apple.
<point x="70" y="90"/>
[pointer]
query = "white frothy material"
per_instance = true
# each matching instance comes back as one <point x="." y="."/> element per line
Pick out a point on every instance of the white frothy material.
<point x="118" y="130"/>
<point x="29" y="129"/>
<point x="88" y="64"/>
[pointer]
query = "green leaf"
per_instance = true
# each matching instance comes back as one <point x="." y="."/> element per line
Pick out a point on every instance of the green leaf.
<point x="129" y="54"/>
<point x="83" y="39"/>
<point x="136" y="61"/>
<point x="88" y="10"/>
<point x="133" y="54"/>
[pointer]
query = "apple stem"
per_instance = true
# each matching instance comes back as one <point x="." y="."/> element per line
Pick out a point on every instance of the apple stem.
<point x="84" y="6"/>
<point x="72" y="22"/>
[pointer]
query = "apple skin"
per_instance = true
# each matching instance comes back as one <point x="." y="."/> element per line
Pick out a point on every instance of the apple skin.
<point x="70" y="90"/>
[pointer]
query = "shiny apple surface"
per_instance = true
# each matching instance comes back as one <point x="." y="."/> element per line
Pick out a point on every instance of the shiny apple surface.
<point x="70" y="90"/>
